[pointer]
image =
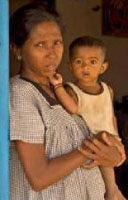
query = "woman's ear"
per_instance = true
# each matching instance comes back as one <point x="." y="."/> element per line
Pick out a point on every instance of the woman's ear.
<point x="16" y="51"/>
<point x="13" y="48"/>
<point x="104" y="67"/>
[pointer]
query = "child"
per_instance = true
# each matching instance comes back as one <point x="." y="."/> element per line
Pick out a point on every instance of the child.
<point x="90" y="98"/>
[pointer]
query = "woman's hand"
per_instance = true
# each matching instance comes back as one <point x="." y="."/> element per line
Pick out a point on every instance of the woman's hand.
<point x="107" y="155"/>
<point x="56" y="79"/>
<point x="112" y="140"/>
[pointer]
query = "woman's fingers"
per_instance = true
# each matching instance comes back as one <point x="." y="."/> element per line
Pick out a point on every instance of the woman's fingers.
<point x="110" y="139"/>
<point x="94" y="145"/>
<point x="91" y="145"/>
<point x="115" y="141"/>
<point x="106" y="138"/>
<point x="108" y="155"/>
<point x="87" y="153"/>
<point x="104" y="155"/>
<point x="100" y="145"/>
<point x="118" y="138"/>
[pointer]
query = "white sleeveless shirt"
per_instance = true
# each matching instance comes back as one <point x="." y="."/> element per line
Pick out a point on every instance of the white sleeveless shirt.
<point x="96" y="110"/>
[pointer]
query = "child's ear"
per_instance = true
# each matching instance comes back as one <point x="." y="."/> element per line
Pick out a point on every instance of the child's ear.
<point x="70" y="66"/>
<point x="104" y="67"/>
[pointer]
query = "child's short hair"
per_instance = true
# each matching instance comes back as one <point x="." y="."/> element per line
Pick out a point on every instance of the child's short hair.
<point x="86" y="41"/>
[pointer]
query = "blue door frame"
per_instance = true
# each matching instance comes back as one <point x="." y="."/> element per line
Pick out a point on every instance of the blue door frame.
<point x="4" y="100"/>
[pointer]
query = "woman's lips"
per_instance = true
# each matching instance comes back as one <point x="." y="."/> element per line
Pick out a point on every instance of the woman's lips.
<point x="51" y="67"/>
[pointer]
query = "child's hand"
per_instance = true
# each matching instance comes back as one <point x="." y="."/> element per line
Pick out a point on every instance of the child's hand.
<point x="56" y="79"/>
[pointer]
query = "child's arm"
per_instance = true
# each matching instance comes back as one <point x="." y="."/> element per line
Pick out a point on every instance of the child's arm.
<point x="66" y="96"/>
<point x="109" y="180"/>
<point x="112" y="190"/>
<point x="115" y="122"/>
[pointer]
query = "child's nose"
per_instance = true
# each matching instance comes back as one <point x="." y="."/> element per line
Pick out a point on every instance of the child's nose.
<point x="86" y="65"/>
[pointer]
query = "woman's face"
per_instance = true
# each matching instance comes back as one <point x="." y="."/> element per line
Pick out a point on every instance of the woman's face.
<point x="42" y="52"/>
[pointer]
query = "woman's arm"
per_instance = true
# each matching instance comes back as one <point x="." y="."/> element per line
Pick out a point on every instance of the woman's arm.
<point x="42" y="172"/>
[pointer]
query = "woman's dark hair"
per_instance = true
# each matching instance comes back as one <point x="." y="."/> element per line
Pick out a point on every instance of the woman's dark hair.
<point x="25" y="18"/>
<point x="87" y="41"/>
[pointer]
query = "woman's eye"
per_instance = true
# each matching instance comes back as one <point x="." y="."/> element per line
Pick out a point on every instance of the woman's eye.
<point x="58" y="42"/>
<point x="40" y="45"/>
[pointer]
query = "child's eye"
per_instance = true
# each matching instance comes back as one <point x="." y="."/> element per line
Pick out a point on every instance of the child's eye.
<point x="78" y="62"/>
<point x="93" y="62"/>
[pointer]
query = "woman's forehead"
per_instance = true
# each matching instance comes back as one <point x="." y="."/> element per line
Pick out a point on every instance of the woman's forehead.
<point x="45" y="30"/>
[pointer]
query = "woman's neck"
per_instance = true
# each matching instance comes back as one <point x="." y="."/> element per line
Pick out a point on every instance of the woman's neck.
<point x="41" y="80"/>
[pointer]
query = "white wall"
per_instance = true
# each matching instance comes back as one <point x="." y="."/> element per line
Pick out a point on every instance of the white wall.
<point x="81" y="20"/>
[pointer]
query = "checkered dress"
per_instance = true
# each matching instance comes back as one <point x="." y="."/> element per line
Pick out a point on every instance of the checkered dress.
<point x="37" y="118"/>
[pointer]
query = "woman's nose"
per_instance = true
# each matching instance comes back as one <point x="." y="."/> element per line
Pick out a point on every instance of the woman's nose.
<point x="51" y="52"/>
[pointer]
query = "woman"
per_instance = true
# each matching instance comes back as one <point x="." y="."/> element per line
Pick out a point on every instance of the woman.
<point x="45" y="158"/>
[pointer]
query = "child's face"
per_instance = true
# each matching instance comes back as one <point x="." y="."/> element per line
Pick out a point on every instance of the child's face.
<point x="87" y="63"/>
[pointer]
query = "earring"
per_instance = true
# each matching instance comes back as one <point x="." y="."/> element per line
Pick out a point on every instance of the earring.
<point x="19" y="57"/>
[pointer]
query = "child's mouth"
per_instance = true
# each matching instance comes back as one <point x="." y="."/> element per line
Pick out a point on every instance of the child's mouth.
<point x="86" y="74"/>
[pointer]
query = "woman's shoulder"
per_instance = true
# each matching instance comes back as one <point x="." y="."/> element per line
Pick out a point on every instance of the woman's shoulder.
<point x="17" y="82"/>
<point x="19" y="87"/>
<point x="23" y="89"/>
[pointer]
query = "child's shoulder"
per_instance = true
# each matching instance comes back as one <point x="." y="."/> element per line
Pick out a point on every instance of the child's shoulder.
<point x="70" y="85"/>
<point x="108" y="87"/>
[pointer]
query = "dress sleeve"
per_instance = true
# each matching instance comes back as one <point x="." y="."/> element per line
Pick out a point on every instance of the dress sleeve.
<point x="26" y="123"/>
